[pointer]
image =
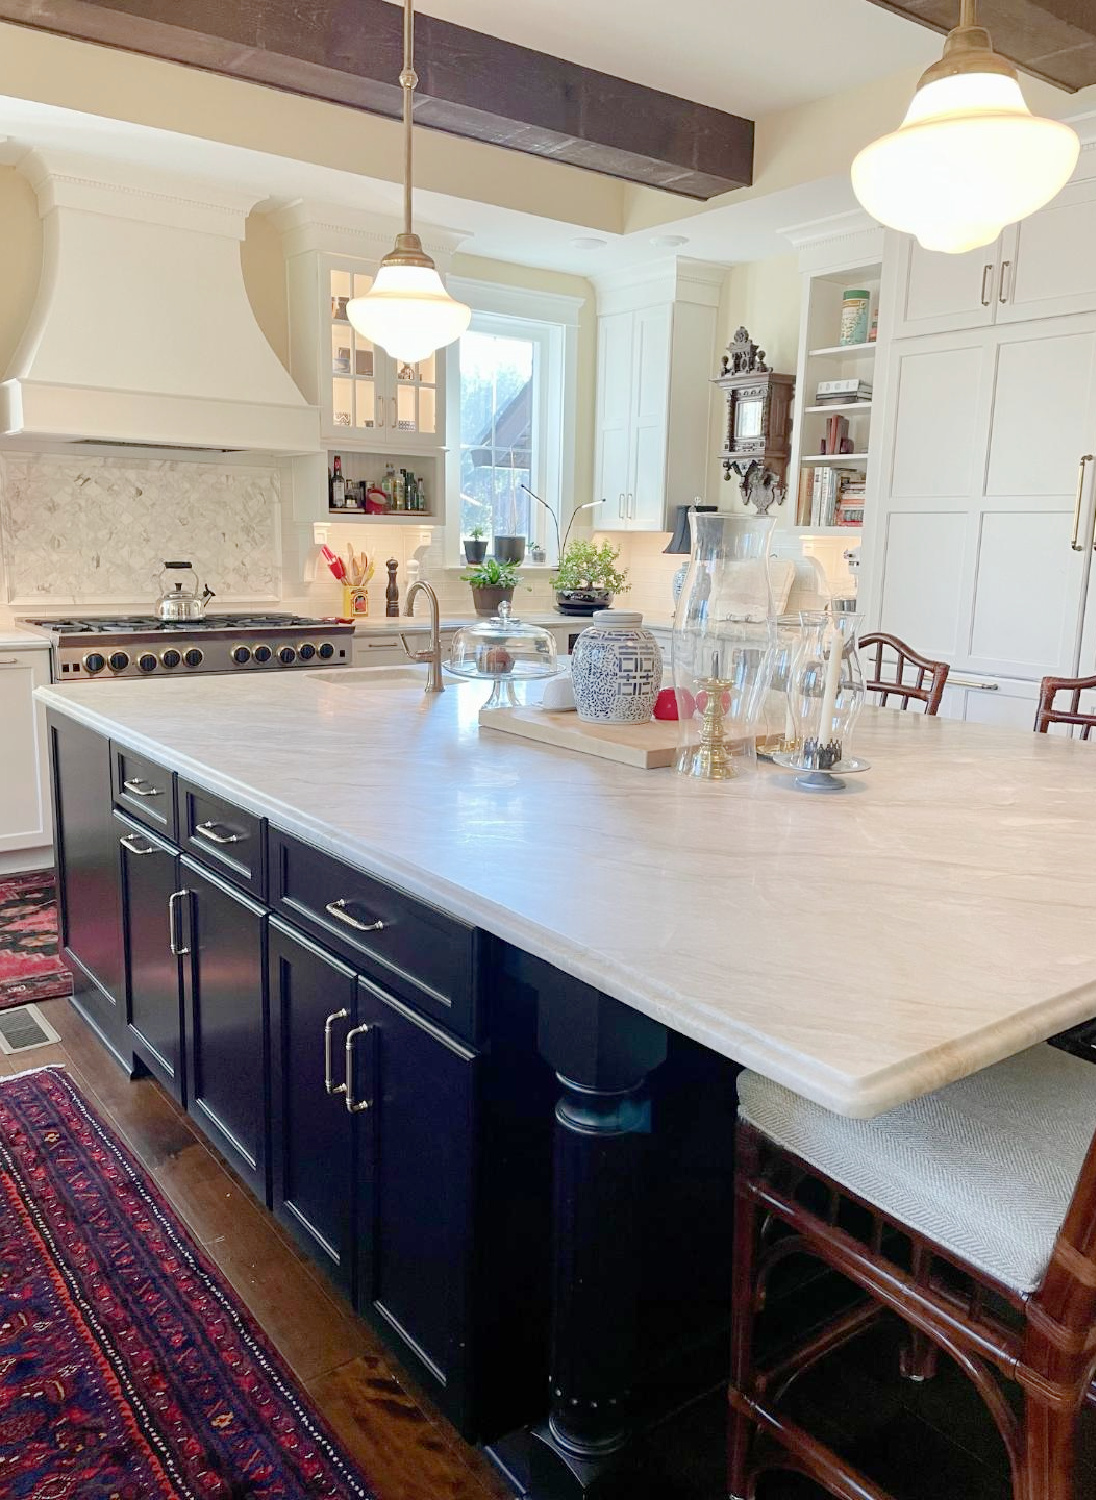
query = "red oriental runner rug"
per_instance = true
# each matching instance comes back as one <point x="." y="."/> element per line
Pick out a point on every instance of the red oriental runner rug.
<point x="128" y="1369"/>
<point x="29" y="966"/>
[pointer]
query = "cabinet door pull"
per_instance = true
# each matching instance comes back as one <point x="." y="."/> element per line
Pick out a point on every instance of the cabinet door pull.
<point x="395" y="414"/>
<point x="177" y="948"/>
<point x="1086" y="458"/>
<point x="211" y="832"/>
<point x="620" y="507"/>
<point x="330" y="1086"/>
<point x="969" y="682"/>
<point x="131" y="847"/>
<point x="1002" y="295"/>
<point x="9" y="661"/>
<point x="142" y="788"/>
<point x="337" y="909"/>
<point x="354" y="1106"/>
<point x="631" y="507"/>
<point x="987" y="272"/>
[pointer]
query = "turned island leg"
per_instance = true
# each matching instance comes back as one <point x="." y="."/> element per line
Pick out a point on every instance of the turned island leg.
<point x="602" y="1053"/>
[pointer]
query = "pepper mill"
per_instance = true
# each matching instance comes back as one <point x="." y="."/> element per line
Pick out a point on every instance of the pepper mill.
<point x="392" y="592"/>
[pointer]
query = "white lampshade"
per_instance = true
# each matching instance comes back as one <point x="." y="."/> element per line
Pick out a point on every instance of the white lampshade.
<point x="408" y="312"/>
<point x="969" y="158"/>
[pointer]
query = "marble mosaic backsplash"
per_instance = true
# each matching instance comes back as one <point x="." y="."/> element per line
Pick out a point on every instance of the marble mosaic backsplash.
<point x="79" y="529"/>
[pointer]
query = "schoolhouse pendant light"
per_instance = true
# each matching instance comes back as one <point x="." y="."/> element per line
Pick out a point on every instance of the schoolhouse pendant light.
<point x="407" y="310"/>
<point x="969" y="157"/>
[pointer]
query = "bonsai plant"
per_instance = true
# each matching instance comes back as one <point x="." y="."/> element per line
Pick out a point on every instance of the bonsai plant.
<point x="492" y="583"/>
<point x="475" y="548"/>
<point x="588" y="578"/>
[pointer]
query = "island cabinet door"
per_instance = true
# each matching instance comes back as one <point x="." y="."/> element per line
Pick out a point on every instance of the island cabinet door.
<point x="222" y="935"/>
<point x="313" y="1005"/>
<point x="89" y="878"/>
<point x="154" y="1003"/>
<point x="416" y="1090"/>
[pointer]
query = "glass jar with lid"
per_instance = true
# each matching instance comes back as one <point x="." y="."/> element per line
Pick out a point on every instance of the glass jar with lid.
<point x="503" y="651"/>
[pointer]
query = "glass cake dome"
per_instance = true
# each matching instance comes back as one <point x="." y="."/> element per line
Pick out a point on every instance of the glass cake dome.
<point x="503" y="650"/>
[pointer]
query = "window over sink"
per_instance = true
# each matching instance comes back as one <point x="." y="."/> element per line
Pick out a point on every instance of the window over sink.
<point x="511" y="384"/>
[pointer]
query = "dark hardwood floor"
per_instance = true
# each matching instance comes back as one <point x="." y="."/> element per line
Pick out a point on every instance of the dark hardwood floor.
<point x="928" y="1442"/>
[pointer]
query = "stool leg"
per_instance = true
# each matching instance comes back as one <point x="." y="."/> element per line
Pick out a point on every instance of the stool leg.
<point x="743" y="1313"/>
<point x="1050" y="1441"/>
<point x="917" y="1360"/>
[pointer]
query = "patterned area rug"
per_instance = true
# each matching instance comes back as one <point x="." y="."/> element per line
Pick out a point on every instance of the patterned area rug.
<point x="29" y="966"/>
<point x="128" y="1369"/>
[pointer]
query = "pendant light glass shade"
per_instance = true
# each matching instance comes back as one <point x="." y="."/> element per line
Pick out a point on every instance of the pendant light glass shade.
<point x="407" y="310"/>
<point x="969" y="157"/>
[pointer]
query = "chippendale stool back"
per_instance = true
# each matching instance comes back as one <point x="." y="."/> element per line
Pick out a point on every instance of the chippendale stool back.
<point x="909" y="676"/>
<point x="1051" y="712"/>
<point x="982" y="1206"/>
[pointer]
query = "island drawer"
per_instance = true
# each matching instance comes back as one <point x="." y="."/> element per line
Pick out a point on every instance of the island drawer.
<point x="221" y="836"/>
<point x="144" y="789"/>
<point x="420" y="953"/>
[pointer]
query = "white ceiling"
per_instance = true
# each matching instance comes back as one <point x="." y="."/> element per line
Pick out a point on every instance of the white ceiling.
<point x="744" y="56"/>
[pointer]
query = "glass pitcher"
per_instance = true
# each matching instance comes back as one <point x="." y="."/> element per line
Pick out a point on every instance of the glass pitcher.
<point x="723" y="644"/>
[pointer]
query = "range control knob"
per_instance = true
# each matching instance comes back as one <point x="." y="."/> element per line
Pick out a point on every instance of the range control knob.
<point x="194" y="657"/>
<point x="261" y="654"/>
<point x="287" y="656"/>
<point x="118" y="661"/>
<point x="94" y="662"/>
<point x="326" y="651"/>
<point x="170" y="659"/>
<point x="241" y="655"/>
<point x="306" y="650"/>
<point x="146" y="661"/>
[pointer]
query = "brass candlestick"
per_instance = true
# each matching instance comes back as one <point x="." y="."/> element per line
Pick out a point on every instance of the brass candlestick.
<point x="709" y="759"/>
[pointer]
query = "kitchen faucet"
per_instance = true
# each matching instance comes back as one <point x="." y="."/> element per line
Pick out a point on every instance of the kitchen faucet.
<point x="434" y="681"/>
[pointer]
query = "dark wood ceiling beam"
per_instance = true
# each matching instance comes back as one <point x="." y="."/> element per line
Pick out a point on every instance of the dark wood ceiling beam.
<point x="471" y="85"/>
<point x="1054" y="39"/>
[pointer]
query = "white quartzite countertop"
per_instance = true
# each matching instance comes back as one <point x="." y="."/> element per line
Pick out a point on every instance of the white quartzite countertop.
<point x="863" y="949"/>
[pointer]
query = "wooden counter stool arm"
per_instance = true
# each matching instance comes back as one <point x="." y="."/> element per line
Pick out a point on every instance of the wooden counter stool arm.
<point x="1048" y="714"/>
<point x="1051" y="1355"/>
<point x="927" y="677"/>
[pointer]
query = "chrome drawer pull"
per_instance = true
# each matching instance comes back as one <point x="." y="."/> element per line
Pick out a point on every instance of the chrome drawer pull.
<point x="142" y="788"/>
<point x="128" y="844"/>
<point x="354" y="1106"/>
<point x="9" y="661"/>
<point x="329" y="1083"/>
<point x="209" y="831"/>
<point x="337" y="909"/>
<point x="178" y="951"/>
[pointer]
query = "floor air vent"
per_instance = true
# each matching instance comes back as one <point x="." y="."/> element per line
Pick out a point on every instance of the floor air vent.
<point x="23" y="1028"/>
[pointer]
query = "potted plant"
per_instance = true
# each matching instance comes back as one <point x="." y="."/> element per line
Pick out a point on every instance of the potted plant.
<point x="492" y="584"/>
<point x="475" y="548"/>
<point x="509" y="546"/>
<point x="588" y="578"/>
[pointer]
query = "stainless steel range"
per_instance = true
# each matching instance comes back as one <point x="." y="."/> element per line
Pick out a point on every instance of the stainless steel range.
<point x="143" y="646"/>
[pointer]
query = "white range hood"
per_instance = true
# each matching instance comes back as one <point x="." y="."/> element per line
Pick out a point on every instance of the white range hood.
<point x="142" y="332"/>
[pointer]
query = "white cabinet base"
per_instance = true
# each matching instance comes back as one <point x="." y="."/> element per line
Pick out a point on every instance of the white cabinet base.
<point x="26" y="816"/>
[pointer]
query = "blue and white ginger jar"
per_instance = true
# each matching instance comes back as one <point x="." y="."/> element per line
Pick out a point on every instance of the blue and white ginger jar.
<point x="616" y="669"/>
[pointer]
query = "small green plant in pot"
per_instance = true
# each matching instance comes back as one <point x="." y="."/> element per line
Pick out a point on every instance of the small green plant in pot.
<point x="588" y="578"/>
<point x="492" y="584"/>
<point x="475" y="548"/>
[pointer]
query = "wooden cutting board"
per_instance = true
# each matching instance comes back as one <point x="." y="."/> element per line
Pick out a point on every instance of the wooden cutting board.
<point x="650" y="747"/>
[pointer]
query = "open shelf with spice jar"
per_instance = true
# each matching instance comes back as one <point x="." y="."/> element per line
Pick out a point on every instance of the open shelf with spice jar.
<point x="409" y="486"/>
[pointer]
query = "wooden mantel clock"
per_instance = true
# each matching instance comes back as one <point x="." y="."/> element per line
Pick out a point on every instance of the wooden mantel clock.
<point x="757" y="444"/>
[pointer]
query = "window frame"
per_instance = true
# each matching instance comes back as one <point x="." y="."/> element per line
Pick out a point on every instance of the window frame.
<point x="550" y="321"/>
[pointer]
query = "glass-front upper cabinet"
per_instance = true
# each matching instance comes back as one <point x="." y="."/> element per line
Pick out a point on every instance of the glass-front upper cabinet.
<point x="373" y="395"/>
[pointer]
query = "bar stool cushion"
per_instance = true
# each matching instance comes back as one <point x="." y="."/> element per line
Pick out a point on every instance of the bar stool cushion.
<point x="985" y="1167"/>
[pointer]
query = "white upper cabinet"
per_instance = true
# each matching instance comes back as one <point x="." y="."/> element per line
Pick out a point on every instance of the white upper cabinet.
<point x="25" y="801"/>
<point x="1043" y="267"/>
<point x="656" y="360"/>
<point x="369" y="401"/>
<point x="938" y="293"/>
<point x="1049" y="261"/>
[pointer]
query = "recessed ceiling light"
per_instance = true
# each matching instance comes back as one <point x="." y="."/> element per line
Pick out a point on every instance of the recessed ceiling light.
<point x="588" y="242"/>
<point x="669" y="241"/>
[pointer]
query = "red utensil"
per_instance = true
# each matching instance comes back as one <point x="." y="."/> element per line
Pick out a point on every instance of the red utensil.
<point x="334" y="562"/>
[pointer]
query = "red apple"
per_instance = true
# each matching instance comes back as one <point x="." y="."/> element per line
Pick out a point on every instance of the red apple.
<point x="666" y="704"/>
